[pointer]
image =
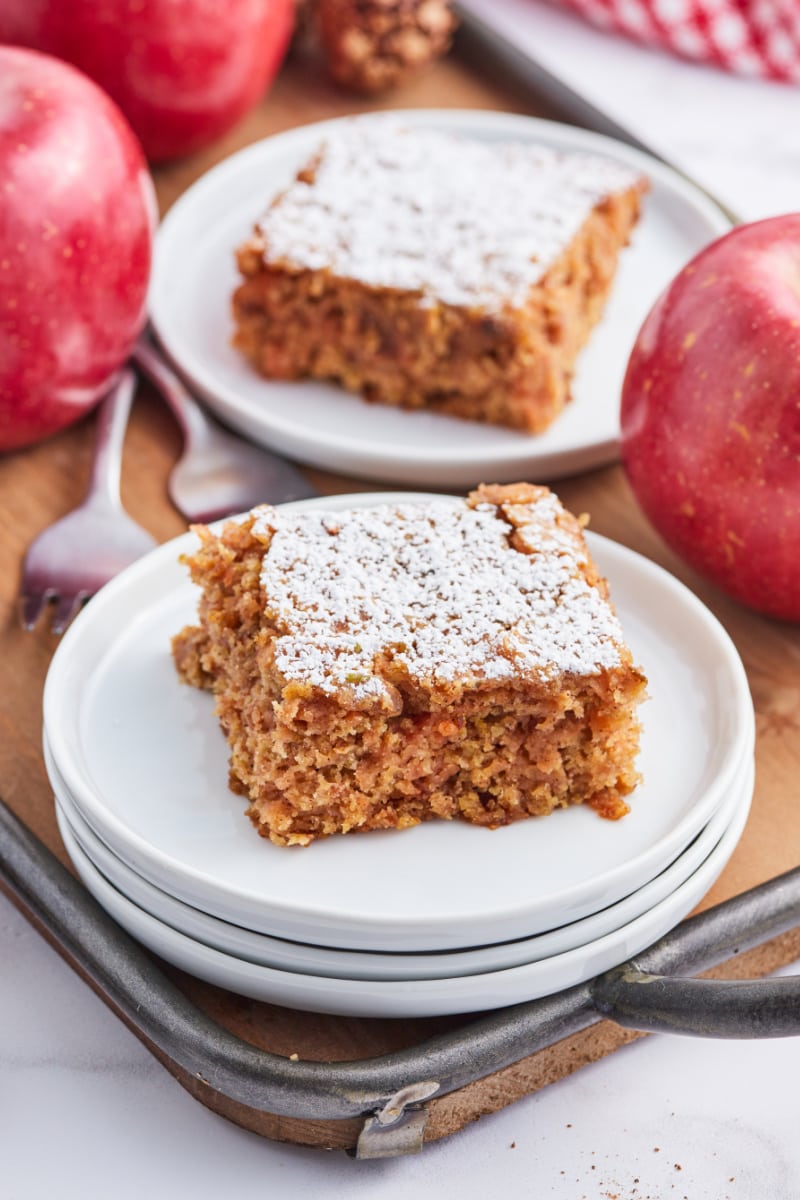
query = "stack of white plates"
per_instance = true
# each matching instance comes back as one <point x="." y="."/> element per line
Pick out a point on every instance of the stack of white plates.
<point x="444" y="918"/>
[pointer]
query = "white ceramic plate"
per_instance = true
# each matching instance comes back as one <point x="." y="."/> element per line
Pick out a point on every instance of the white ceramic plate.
<point x="194" y="276"/>
<point x="412" y="997"/>
<point x="146" y="764"/>
<point x="322" y="960"/>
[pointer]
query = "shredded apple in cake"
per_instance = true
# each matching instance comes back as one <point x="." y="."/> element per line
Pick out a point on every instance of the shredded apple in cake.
<point x="376" y="667"/>
<point x="430" y="270"/>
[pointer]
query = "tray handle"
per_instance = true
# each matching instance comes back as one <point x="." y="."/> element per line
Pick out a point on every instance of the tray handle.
<point x="651" y="992"/>
<point x="717" y="1008"/>
<point x="132" y="984"/>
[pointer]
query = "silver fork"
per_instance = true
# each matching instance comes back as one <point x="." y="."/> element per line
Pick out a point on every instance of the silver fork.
<point x="71" y="559"/>
<point x="218" y="473"/>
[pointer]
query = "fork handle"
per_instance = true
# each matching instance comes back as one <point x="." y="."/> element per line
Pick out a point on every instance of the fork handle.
<point x="187" y="412"/>
<point x="112" y="421"/>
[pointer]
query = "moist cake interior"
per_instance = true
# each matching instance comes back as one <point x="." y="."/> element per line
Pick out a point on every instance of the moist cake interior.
<point x="374" y="668"/>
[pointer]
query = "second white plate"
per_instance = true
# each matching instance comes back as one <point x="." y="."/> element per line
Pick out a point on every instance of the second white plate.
<point x="305" y="959"/>
<point x="195" y="274"/>
<point x="408" y="997"/>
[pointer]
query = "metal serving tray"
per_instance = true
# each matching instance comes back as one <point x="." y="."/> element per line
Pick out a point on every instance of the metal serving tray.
<point x="390" y="1092"/>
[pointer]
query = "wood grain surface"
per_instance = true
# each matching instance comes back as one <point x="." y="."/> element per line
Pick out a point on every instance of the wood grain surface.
<point x="42" y="483"/>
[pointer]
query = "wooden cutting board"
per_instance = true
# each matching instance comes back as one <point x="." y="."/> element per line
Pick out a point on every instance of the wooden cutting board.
<point x="40" y="484"/>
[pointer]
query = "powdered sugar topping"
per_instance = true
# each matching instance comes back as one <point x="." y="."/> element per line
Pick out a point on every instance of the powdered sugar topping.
<point x="455" y="219"/>
<point x="436" y="591"/>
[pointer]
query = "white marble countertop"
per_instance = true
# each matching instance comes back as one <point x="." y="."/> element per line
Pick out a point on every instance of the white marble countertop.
<point x="85" y="1111"/>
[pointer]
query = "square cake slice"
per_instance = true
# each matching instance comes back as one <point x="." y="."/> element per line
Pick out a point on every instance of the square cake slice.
<point x="428" y="270"/>
<point x="377" y="667"/>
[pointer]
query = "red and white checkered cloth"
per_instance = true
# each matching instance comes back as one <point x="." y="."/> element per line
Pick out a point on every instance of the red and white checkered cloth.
<point x="760" y="38"/>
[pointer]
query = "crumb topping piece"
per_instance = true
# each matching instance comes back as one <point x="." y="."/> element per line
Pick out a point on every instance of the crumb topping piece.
<point x="461" y="221"/>
<point x="439" y="591"/>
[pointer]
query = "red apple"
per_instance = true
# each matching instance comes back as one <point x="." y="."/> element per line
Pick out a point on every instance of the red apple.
<point x="77" y="216"/>
<point x="182" y="71"/>
<point x="711" y="415"/>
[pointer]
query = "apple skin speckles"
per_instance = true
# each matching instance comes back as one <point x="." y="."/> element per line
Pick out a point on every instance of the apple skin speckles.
<point x="182" y="71"/>
<point x="78" y="218"/>
<point x="711" y="415"/>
